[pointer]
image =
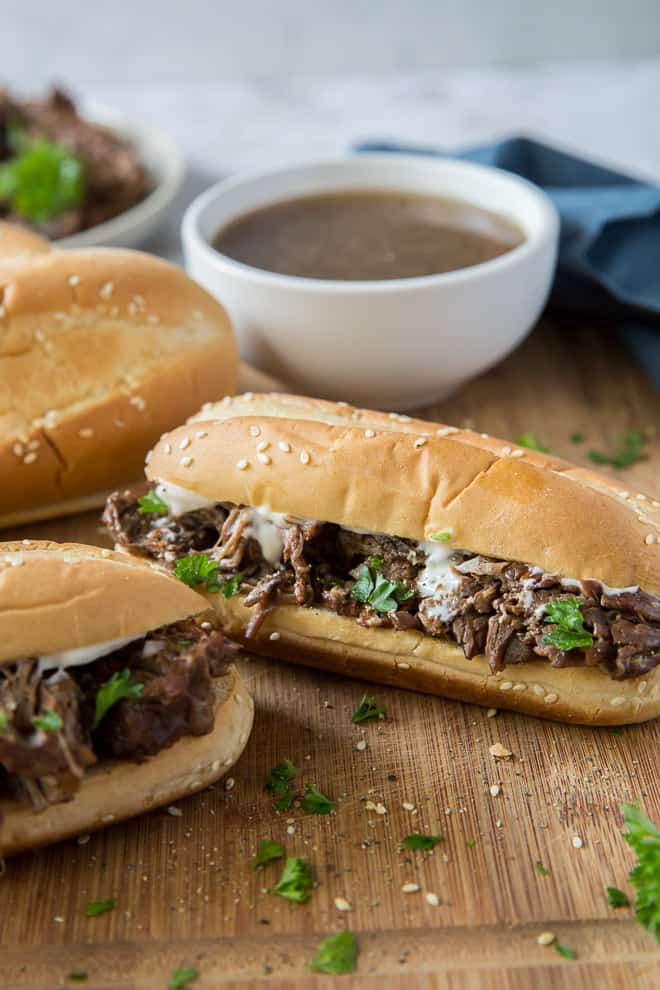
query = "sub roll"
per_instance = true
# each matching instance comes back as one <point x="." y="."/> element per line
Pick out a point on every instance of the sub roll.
<point x="411" y="553"/>
<point x="116" y="694"/>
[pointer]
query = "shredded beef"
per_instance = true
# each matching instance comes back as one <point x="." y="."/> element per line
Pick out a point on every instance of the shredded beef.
<point x="495" y="608"/>
<point x="175" y="664"/>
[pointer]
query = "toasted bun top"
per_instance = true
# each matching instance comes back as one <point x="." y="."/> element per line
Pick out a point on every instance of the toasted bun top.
<point x="391" y="474"/>
<point x="61" y="596"/>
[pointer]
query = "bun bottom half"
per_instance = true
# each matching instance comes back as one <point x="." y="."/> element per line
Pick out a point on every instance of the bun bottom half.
<point x="413" y="660"/>
<point x="118" y="789"/>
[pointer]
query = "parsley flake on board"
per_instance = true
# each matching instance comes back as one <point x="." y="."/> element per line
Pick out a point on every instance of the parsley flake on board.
<point x="540" y="868"/>
<point x="417" y="841"/>
<point x="336" y="954"/>
<point x="77" y="976"/>
<point x="119" y="686"/>
<point x="644" y="838"/>
<point x="50" y="721"/>
<point x="631" y="451"/>
<point x="43" y="180"/>
<point x="470" y="843"/>
<point x="278" y="782"/>
<point x="152" y="502"/>
<point x="565" y="951"/>
<point x="368" y="708"/>
<point x="529" y="440"/>
<point x="315" y="803"/>
<point x="295" y="882"/>
<point x="94" y="908"/>
<point x="4" y="721"/>
<point x="182" y="977"/>
<point x="577" y="438"/>
<point x="569" y="632"/>
<point x="372" y="588"/>
<point x="267" y="852"/>
<point x="616" y="898"/>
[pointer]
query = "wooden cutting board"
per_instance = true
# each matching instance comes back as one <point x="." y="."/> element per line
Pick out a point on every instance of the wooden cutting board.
<point x="186" y="894"/>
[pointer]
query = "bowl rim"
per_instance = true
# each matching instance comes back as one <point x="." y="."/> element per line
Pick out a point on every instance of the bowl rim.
<point x="172" y="168"/>
<point x="194" y="241"/>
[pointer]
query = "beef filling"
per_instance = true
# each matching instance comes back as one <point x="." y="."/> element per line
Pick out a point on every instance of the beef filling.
<point x="495" y="608"/>
<point x="175" y="665"/>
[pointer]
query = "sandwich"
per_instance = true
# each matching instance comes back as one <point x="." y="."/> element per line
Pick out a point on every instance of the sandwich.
<point x="116" y="692"/>
<point x="403" y="551"/>
<point x="101" y="350"/>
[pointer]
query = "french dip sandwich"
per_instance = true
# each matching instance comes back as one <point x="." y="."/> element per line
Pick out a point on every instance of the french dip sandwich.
<point x="115" y="694"/>
<point x="411" y="553"/>
<point x="101" y="350"/>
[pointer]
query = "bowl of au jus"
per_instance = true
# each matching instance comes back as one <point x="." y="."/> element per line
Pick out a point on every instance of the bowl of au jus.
<point x="385" y="280"/>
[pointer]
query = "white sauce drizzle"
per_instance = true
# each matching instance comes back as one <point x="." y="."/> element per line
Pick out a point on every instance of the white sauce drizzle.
<point x="438" y="580"/>
<point x="84" y="654"/>
<point x="180" y="500"/>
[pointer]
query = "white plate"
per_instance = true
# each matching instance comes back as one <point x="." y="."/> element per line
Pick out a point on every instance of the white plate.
<point x="165" y="165"/>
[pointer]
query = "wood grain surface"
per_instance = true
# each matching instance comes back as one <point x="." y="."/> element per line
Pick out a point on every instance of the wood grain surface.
<point x="186" y="894"/>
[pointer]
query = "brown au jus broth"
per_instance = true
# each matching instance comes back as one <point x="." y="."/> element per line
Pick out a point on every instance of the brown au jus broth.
<point x="367" y="235"/>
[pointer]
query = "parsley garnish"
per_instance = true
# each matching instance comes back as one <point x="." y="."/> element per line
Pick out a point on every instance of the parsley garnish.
<point x="367" y="709"/>
<point x="565" y="951"/>
<point x="295" y="882"/>
<point x="631" y="452"/>
<point x="336" y="954"/>
<point x="267" y="852"/>
<point x="4" y="721"/>
<point x="50" y="721"/>
<point x="470" y="843"/>
<point x="372" y="588"/>
<point x="152" y="502"/>
<point x="315" y="803"/>
<point x="569" y="632"/>
<point x="119" y="686"/>
<point x="577" y="437"/>
<point x="197" y="569"/>
<point x="417" y="841"/>
<point x="77" y="976"/>
<point x="616" y="898"/>
<point x="540" y="868"/>
<point x="182" y="977"/>
<point x="529" y="440"/>
<point x="442" y="536"/>
<point x="42" y="181"/>
<point x="94" y="908"/>
<point x="278" y="782"/>
<point x="644" y="837"/>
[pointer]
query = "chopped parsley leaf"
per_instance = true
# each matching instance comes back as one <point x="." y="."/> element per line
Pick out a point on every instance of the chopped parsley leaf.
<point x="267" y="852"/>
<point x="152" y="502"/>
<point x="470" y="843"/>
<point x="577" y="437"/>
<point x="631" y="451"/>
<point x="315" y="803"/>
<point x="540" y="868"/>
<point x="644" y="838"/>
<point x="77" y="976"/>
<point x="119" y="686"/>
<point x="616" y="898"/>
<point x="442" y="536"/>
<point x="278" y="782"/>
<point x="4" y="721"/>
<point x="295" y="882"/>
<point x="372" y="588"/>
<point x="367" y="709"/>
<point x="336" y="954"/>
<point x="569" y="632"/>
<point x="42" y="181"/>
<point x="417" y="841"/>
<point x="94" y="908"/>
<point x="196" y="569"/>
<point x="565" y="951"/>
<point x="50" y="721"/>
<point x="182" y="977"/>
<point x="231" y="586"/>
<point x="529" y="440"/>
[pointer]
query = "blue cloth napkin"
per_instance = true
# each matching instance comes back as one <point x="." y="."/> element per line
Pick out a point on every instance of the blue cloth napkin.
<point x="609" y="248"/>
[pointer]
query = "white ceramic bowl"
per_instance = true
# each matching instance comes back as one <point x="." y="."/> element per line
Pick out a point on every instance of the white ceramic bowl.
<point x="390" y="344"/>
<point x="166" y="167"/>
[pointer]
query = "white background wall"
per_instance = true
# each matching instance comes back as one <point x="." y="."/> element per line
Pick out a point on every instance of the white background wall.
<point x="194" y="40"/>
